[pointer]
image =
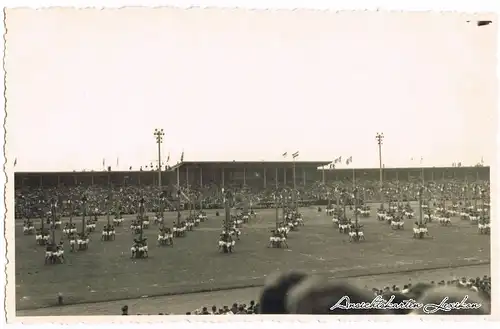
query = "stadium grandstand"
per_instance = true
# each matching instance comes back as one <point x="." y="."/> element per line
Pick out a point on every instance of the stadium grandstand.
<point x="260" y="174"/>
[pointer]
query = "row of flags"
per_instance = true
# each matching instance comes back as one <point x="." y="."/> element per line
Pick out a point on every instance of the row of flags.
<point x="150" y="166"/>
<point x="421" y="159"/>
<point x="130" y="168"/>
<point x="339" y="160"/>
<point x="294" y="155"/>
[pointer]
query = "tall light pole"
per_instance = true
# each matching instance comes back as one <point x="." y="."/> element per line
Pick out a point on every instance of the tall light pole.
<point x="380" y="137"/>
<point x="159" y="139"/>
<point x="109" y="201"/>
<point x="162" y="205"/>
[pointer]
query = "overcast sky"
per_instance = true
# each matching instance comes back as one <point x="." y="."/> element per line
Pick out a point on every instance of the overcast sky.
<point x="88" y="85"/>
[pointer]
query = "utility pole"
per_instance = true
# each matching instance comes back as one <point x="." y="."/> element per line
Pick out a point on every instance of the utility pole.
<point x="380" y="137"/>
<point x="158" y="133"/>
<point x="109" y="200"/>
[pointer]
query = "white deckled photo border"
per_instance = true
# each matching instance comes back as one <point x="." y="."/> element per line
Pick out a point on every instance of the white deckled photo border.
<point x="290" y="321"/>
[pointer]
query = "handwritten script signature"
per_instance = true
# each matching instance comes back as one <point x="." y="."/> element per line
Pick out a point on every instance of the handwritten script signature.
<point x="380" y="303"/>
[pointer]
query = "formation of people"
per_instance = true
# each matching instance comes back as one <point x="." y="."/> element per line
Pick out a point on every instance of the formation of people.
<point x="50" y="231"/>
<point x="56" y="212"/>
<point x="439" y="202"/>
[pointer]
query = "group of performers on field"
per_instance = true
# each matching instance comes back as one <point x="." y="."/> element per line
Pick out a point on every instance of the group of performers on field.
<point x="394" y="213"/>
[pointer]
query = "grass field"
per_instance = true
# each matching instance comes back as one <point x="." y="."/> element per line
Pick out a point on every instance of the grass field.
<point x="106" y="272"/>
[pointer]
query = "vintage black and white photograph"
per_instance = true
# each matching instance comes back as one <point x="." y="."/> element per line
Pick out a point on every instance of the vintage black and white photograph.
<point x="243" y="162"/>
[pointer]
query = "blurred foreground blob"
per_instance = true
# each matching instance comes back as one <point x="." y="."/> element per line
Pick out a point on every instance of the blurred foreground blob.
<point x="276" y="289"/>
<point x="298" y="293"/>
<point x="316" y="295"/>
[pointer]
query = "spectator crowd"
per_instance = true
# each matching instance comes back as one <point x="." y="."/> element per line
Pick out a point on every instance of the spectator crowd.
<point x="298" y="293"/>
<point x="34" y="202"/>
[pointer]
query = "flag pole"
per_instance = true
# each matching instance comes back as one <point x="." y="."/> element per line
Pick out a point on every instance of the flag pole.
<point x="380" y="137"/>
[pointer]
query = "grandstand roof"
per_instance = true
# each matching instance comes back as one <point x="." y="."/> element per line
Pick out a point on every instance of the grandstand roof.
<point x="247" y="164"/>
<point x="253" y="164"/>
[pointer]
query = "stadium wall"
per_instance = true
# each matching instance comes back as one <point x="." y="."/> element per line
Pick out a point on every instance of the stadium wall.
<point x="252" y="177"/>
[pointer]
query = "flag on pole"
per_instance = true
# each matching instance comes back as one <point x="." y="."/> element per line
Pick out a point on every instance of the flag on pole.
<point x="296" y="154"/>
<point x="168" y="157"/>
<point x="349" y="160"/>
<point x="285" y="154"/>
<point x="482" y="160"/>
<point x="15" y="162"/>
<point x="182" y="156"/>
<point x="117" y="162"/>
